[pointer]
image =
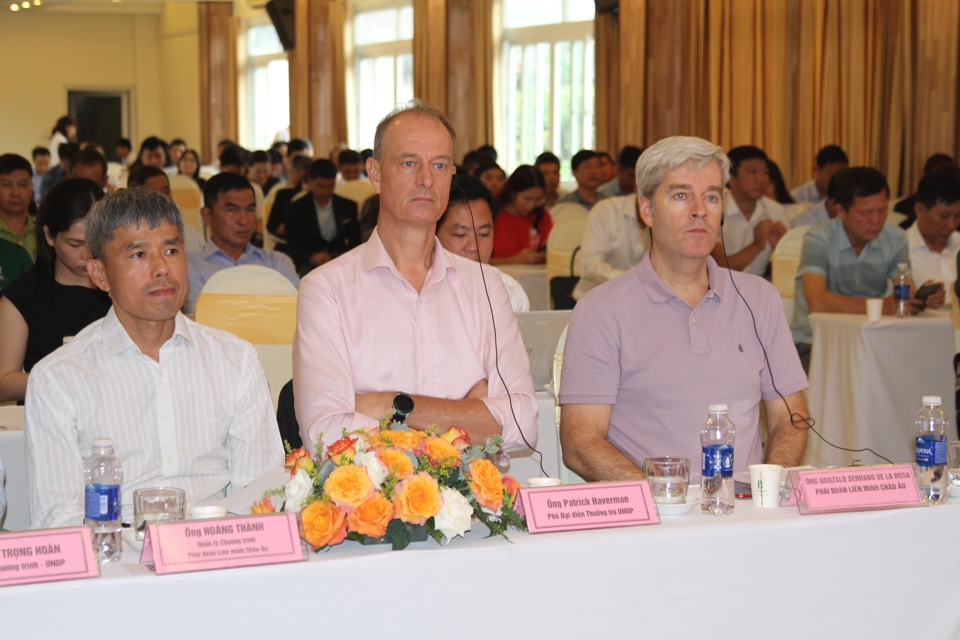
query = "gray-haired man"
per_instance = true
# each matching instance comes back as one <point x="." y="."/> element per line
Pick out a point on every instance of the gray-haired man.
<point x="186" y="406"/>
<point x="648" y="352"/>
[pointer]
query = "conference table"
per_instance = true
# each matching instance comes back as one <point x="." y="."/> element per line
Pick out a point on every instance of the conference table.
<point x="533" y="280"/>
<point x="867" y="381"/>
<point x="759" y="573"/>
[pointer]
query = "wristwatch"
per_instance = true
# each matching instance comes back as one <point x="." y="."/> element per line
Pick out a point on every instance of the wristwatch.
<point x="402" y="406"/>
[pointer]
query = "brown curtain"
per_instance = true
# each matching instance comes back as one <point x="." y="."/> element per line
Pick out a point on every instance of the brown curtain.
<point x="338" y="81"/>
<point x="606" y="33"/>
<point x="218" y="75"/>
<point x="487" y="52"/>
<point x="632" y="73"/>
<point x="430" y="51"/>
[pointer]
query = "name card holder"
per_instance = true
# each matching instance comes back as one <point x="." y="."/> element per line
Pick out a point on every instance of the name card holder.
<point x="47" y="555"/>
<point x="200" y="545"/>
<point x="855" y="489"/>
<point x="596" y="505"/>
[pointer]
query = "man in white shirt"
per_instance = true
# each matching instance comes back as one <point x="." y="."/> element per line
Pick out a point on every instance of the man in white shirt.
<point x="830" y="160"/>
<point x="933" y="239"/>
<point x="186" y="406"/>
<point x="614" y="242"/>
<point x="753" y="223"/>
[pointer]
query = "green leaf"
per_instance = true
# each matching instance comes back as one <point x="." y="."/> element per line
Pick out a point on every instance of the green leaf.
<point x="400" y="532"/>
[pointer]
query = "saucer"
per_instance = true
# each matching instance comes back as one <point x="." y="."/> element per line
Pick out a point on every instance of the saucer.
<point x="681" y="509"/>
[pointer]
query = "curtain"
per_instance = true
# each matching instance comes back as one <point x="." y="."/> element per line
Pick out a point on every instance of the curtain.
<point x="606" y="33"/>
<point x="338" y="132"/>
<point x="487" y="52"/>
<point x="632" y="103"/>
<point x="430" y="51"/>
<point x="218" y="75"/>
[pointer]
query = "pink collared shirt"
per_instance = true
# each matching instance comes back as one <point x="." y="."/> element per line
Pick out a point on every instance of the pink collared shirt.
<point x="362" y="328"/>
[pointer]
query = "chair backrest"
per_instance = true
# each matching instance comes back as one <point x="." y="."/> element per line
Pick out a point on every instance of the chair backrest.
<point x="786" y="260"/>
<point x="565" y="210"/>
<point x="564" y="239"/>
<point x="249" y="278"/>
<point x="568" y="476"/>
<point x="186" y="193"/>
<point x="114" y="170"/>
<point x="356" y="190"/>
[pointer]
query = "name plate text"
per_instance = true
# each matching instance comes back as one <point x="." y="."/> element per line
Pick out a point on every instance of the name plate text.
<point x="856" y="489"/>
<point x="47" y="555"/>
<point x="597" y="505"/>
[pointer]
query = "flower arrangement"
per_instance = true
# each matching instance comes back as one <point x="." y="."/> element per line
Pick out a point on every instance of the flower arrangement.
<point x="390" y="483"/>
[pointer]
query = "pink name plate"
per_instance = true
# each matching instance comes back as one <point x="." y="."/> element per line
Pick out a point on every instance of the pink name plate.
<point x="597" y="505"/>
<point x="855" y="489"/>
<point x="47" y="555"/>
<point x="199" y="545"/>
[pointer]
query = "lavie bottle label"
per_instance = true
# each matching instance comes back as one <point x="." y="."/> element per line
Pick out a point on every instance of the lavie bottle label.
<point x="717" y="460"/>
<point x="103" y="501"/>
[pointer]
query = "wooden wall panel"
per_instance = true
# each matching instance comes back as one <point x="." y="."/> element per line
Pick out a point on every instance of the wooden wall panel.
<point x="218" y="75"/>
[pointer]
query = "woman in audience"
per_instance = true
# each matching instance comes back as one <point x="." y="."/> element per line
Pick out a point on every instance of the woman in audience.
<point x="55" y="298"/>
<point x="777" y="188"/>
<point x="492" y="177"/>
<point x="189" y="165"/>
<point x="523" y="224"/>
<point x="63" y="131"/>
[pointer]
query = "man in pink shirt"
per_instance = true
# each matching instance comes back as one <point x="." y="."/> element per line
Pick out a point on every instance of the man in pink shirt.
<point x="399" y="325"/>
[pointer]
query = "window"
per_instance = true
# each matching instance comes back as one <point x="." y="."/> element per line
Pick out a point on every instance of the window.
<point x="547" y="80"/>
<point x="382" y="67"/>
<point x="267" y="88"/>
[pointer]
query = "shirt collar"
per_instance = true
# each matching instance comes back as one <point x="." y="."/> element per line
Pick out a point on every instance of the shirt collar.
<point x="375" y="255"/>
<point x="660" y="292"/>
<point x="116" y="339"/>
<point x="211" y="248"/>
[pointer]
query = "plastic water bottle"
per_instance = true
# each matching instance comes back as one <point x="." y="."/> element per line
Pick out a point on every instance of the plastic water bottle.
<point x="102" y="477"/>
<point x="716" y="482"/>
<point x="901" y="292"/>
<point x="931" y="425"/>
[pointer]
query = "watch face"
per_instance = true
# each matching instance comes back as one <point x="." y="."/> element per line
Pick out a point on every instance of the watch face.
<point x="403" y="404"/>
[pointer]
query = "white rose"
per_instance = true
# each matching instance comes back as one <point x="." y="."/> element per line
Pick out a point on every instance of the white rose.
<point x="375" y="469"/>
<point x="455" y="515"/>
<point x="297" y="490"/>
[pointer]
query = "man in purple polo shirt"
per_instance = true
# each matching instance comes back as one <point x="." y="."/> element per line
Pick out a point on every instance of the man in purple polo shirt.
<point x="646" y="353"/>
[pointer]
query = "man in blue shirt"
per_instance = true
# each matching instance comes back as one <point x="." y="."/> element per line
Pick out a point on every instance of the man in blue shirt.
<point x="230" y="213"/>
<point x="851" y="258"/>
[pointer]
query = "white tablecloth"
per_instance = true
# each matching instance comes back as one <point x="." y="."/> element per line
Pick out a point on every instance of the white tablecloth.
<point x="525" y="464"/>
<point x="867" y="380"/>
<point x="757" y="574"/>
<point x="11" y="452"/>
<point x="533" y="279"/>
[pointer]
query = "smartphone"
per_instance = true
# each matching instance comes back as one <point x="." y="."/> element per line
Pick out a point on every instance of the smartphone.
<point x="928" y="290"/>
<point x="741" y="490"/>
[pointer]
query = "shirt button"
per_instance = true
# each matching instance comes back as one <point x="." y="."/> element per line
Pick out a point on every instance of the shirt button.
<point x="694" y="318"/>
<point x="164" y="418"/>
<point x="170" y="460"/>
<point x="161" y="375"/>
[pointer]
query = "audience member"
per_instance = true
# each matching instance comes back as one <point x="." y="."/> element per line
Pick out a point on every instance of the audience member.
<point x="608" y="170"/>
<point x="276" y="224"/>
<point x="231" y="160"/>
<point x="471" y="161"/>
<point x="549" y="166"/>
<point x="56" y="298"/>
<point x="61" y="170"/>
<point x="258" y="169"/>
<point x="466" y="229"/>
<point x="615" y="241"/>
<point x="321" y="226"/>
<point x="276" y="170"/>
<point x="350" y="165"/>
<point x="753" y="223"/>
<point x="230" y="214"/>
<point x="189" y="165"/>
<point x="124" y="150"/>
<point x="89" y="163"/>
<point x="156" y="179"/>
<point x="936" y="162"/>
<point x="401" y="313"/>
<point x="153" y="153"/>
<point x="822" y="211"/>
<point x="624" y="181"/>
<point x="186" y="406"/>
<point x="41" y="162"/>
<point x="586" y="169"/>
<point x="523" y="224"/>
<point x="776" y="186"/>
<point x="14" y="261"/>
<point x="933" y="239"/>
<point x="492" y="177"/>
<point x="852" y="257"/>
<point x="16" y="195"/>
<point x="489" y="151"/>
<point x="64" y="131"/>
<point x="648" y="352"/>
<point x="175" y="151"/>
<point x="830" y="160"/>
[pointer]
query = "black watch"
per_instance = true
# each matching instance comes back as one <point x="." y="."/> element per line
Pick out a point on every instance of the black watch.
<point x="402" y="406"/>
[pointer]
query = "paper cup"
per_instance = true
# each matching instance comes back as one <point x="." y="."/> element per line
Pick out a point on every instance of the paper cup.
<point x="207" y="513"/>
<point x="874" y="309"/>
<point x="544" y="482"/>
<point x="765" y="484"/>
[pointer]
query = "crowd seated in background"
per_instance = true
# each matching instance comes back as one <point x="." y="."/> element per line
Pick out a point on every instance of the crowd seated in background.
<point x="230" y="214"/>
<point x="753" y="223"/>
<point x="830" y="160"/>
<point x="585" y="165"/>
<point x="650" y="350"/>
<point x="349" y="166"/>
<point x="549" y="166"/>
<point x="293" y="189"/>
<point x="61" y="170"/>
<point x="89" y="163"/>
<point x="351" y="355"/>
<point x="492" y="176"/>
<point x="523" y="223"/>
<point x="156" y="179"/>
<point x="466" y="228"/>
<point x="933" y="238"/>
<point x="936" y="162"/>
<point x="615" y="241"/>
<point x="851" y="258"/>
<point x="624" y="181"/>
<point x="56" y="298"/>
<point x="16" y="197"/>
<point x="210" y="423"/>
<point x="41" y="162"/>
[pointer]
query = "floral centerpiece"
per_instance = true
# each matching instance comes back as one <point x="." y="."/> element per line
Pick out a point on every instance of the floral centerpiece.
<point x="391" y="483"/>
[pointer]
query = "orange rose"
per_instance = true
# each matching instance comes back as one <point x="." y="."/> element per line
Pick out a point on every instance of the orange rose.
<point x="486" y="484"/>
<point x="417" y="498"/>
<point x="440" y="451"/>
<point x="262" y="506"/>
<point x="298" y="459"/>
<point x="397" y="462"/>
<point x="342" y="451"/>
<point x="511" y="486"/>
<point x="407" y="440"/>
<point x="372" y="517"/>
<point x="323" y="524"/>
<point x="457" y="437"/>
<point x="349" y="486"/>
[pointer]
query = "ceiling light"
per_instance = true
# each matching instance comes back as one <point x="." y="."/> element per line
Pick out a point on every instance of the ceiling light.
<point x="25" y="5"/>
<point x="36" y="3"/>
<point x="14" y="7"/>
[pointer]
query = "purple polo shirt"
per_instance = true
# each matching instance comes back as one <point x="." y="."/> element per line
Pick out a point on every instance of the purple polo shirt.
<point x="633" y="344"/>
